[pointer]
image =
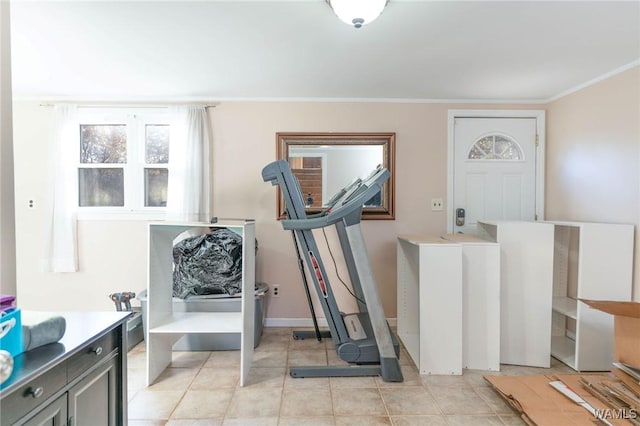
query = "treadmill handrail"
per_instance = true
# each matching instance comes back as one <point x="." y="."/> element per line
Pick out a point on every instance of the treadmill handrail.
<point x="354" y="202"/>
<point x="279" y="174"/>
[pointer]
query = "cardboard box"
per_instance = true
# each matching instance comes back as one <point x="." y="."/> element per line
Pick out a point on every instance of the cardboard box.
<point x="626" y="328"/>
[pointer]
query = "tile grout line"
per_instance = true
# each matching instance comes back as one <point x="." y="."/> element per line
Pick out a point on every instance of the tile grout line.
<point x="333" y="409"/>
<point x="286" y="371"/>
<point x="384" y="403"/>
<point x="286" y="368"/>
<point x="188" y="386"/>
<point x="235" y="389"/>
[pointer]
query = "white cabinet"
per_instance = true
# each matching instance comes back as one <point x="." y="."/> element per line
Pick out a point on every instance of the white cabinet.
<point x="430" y="303"/>
<point x="480" y="302"/>
<point x="526" y="279"/>
<point x="165" y="327"/>
<point x="591" y="261"/>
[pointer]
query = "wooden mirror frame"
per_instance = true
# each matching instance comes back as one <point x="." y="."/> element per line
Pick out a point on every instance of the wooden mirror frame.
<point x="386" y="140"/>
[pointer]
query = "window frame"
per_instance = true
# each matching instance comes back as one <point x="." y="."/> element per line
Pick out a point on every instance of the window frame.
<point x="494" y="135"/>
<point x="136" y="120"/>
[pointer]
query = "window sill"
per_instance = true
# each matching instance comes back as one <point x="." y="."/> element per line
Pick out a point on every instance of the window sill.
<point x="106" y="215"/>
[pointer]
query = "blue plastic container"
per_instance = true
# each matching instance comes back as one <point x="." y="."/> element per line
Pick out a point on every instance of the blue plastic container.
<point x="11" y="332"/>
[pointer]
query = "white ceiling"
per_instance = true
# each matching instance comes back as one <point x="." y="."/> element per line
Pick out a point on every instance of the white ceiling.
<point x="416" y="50"/>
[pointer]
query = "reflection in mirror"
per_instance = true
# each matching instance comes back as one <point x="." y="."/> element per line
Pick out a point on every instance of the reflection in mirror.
<point x="311" y="164"/>
<point x="326" y="163"/>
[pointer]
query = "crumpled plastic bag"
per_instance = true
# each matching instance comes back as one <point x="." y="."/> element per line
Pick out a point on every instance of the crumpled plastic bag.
<point x="208" y="264"/>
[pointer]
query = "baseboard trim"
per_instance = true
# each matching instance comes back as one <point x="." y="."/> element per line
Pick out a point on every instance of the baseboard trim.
<point x="307" y="322"/>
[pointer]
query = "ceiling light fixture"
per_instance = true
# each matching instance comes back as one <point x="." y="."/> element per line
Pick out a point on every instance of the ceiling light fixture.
<point x="357" y="12"/>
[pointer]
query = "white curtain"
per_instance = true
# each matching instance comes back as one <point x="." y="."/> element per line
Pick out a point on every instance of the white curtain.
<point x="188" y="188"/>
<point x="61" y="206"/>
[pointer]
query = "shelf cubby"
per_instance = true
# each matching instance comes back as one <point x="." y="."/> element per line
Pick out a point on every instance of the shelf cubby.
<point x="591" y="261"/>
<point x="165" y="327"/>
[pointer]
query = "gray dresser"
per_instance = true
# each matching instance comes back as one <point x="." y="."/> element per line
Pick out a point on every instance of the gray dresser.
<point x="81" y="380"/>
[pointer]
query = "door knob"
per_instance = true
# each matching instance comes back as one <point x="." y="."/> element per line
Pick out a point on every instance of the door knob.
<point x="460" y="213"/>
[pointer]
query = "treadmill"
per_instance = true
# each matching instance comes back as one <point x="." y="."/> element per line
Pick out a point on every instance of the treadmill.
<point x="363" y="339"/>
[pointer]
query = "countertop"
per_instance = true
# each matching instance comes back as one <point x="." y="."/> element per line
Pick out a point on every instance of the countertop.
<point x="81" y="328"/>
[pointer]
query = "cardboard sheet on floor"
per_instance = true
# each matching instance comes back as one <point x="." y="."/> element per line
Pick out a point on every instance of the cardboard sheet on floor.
<point x="542" y="405"/>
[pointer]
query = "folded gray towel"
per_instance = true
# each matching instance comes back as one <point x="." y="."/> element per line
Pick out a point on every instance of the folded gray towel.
<point x="40" y="329"/>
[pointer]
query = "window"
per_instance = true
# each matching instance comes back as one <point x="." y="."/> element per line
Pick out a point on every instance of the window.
<point x="156" y="173"/>
<point x="103" y="155"/>
<point x="123" y="161"/>
<point x="495" y="147"/>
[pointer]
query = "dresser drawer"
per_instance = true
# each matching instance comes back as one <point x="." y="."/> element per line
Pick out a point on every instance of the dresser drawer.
<point x="29" y="396"/>
<point x="92" y="354"/>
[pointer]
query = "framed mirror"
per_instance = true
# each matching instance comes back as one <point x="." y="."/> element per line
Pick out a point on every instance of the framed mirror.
<point x="324" y="163"/>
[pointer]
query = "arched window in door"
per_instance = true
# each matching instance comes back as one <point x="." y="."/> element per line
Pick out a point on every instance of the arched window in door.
<point x="496" y="147"/>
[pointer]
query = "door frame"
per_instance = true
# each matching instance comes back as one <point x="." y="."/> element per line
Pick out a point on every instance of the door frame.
<point x="539" y="115"/>
<point x="324" y="169"/>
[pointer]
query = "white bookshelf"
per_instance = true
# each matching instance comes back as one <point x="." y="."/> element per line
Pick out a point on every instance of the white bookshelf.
<point x="430" y="303"/>
<point x="564" y="349"/>
<point x="591" y="261"/>
<point x="526" y="282"/>
<point x="565" y="306"/>
<point x="480" y="302"/>
<point x="165" y="327"/>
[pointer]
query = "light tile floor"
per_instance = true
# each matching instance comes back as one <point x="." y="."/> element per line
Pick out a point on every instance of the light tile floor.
<point x="202" y="388"/>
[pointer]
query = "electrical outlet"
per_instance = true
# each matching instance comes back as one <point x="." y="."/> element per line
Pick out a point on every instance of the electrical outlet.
<point x="437" y="204"/>
<point x="31" y="204"/>
<point x="276" y="290"/>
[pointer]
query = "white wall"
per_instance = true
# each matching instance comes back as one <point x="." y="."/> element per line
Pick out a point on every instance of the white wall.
<point x="7" y="200"/>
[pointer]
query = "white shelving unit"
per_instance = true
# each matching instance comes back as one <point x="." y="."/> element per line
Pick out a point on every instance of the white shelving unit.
<point x="165" y="327"/>
<point x="591" y="261"/>
<point x="430" y="303"/>
<point x="526" y="282"/>
<point x="480" y="302"/>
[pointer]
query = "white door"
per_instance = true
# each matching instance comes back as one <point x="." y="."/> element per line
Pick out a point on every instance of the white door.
<point x="494" y="170"/>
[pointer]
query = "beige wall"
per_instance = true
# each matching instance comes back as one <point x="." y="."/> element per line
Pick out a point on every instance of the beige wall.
<point x="7" y="210"/>
<point x="112" y="254"/>
<point x="593" y="156"/>
<point x="244" y="142"/>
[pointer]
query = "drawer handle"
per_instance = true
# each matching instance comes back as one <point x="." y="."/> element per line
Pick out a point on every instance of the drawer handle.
<point x="97" y="351"/>
<point x="36" y="393"/>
